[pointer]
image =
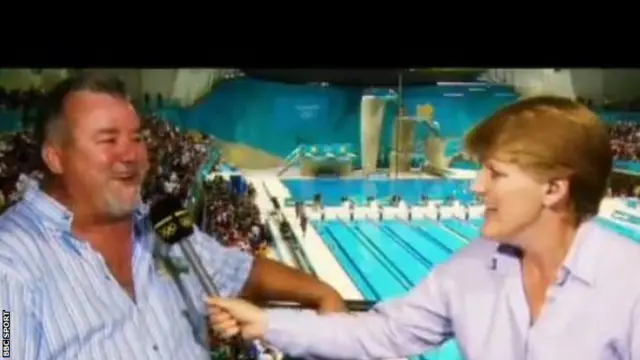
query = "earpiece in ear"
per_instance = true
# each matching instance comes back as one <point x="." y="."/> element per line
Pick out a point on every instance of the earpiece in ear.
<point x="556" y="192"/>
<point x="549" y="189"/>
<point x="552" y="187"/>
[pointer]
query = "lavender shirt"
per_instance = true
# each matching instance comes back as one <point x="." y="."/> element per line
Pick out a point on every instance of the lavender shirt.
<point x="592" y="312"/>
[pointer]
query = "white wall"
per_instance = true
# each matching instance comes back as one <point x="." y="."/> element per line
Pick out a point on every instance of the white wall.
<point x="184" y="85"/>
<point x="156" y="81"/>
<point x="530" y="82"/>
<point x="558" y="82"/>
<point x="621" y="84"/>
<point x="589" y="83"/>
<point x="191" y="84"/>
<point x="25" y="79"/>
<point x="600" y="85"/>
<point x="141" y="81"/>
<point x="17" y="79"/>
<point x="131" y="77"/>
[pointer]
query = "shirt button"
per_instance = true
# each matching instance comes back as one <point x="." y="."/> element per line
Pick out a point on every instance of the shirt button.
<point x="155" y="347"/>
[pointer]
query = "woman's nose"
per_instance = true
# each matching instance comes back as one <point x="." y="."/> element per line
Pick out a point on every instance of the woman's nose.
<point x="478" y="185"/>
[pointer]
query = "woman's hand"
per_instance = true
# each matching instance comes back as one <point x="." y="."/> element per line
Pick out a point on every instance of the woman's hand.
<point x="228" y="317"/>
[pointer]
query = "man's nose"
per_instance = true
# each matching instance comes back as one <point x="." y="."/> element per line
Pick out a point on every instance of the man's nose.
<point x="131" y="151"/>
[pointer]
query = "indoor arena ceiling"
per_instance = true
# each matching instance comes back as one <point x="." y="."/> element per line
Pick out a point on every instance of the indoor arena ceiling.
<point x="366" y="77"/>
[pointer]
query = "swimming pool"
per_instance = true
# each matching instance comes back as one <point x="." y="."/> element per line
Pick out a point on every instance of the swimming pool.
<point x="332" y="190"/>
<point x="386" y="259"/>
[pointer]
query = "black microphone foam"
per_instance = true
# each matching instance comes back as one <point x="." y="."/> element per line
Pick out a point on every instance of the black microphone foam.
<point x="174" y="226"/>
<point x="170" y="220"/>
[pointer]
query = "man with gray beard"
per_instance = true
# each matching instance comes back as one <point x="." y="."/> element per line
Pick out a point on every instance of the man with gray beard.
<point x="77" y="269"/>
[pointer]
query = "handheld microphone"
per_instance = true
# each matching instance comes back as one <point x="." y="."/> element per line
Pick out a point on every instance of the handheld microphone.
<point x="173" y="225"/>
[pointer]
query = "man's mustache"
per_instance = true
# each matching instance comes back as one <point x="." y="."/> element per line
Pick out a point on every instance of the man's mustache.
<point x="129" y="169"/>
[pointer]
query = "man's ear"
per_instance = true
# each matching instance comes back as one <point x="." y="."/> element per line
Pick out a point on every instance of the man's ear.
<point x="52" y="157"/>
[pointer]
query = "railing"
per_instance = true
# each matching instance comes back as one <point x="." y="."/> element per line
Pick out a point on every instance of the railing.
<point x="239" y="352"/>
<point x="328" y="150"/>
<point x="290" y="159"/>
<point x="352" y="305"/>
<point x="300" y="258"/>
<point x="293" y="154"/>
<point x="197" y="194"/>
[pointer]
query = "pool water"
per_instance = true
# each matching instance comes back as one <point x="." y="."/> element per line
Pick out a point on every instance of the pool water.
<point x="386" y="259"/>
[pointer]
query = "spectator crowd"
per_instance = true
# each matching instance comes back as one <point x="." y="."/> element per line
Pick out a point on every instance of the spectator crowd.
<point x="625" y="140"/>
<point x="234" y="218"/>
<point x="19" y="166"/>
<point x="174" y="158"/>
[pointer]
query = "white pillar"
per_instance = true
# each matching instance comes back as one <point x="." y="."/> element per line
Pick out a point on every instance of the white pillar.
<point x="371" y="116"/>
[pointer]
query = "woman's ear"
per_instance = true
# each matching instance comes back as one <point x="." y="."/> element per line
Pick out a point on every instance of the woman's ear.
<point x="557" y="191"/>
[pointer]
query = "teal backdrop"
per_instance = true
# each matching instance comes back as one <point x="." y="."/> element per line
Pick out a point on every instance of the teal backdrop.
<point x="277" y="117"/>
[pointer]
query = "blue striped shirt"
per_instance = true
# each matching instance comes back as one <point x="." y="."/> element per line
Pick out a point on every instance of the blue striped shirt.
<point x="65" y="304"/>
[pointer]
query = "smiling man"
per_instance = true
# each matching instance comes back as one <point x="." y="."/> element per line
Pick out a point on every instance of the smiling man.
<point x="544" y="282"/>
<point x="76" y="267"/>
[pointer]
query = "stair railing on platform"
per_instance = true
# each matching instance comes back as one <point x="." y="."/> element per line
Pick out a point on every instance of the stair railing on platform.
<point x="293" y="154"/>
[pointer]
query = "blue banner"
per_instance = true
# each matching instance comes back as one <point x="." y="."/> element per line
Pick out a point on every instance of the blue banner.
<point x="309" y="114"/>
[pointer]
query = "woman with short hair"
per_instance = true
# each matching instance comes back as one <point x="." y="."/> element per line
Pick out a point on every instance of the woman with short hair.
<point x="544" y="282"/>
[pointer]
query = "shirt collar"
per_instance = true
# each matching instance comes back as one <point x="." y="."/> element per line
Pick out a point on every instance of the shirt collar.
<point x="61" y="218"/>
<point x="580" y="261"/>
<point x="585" y="252"/>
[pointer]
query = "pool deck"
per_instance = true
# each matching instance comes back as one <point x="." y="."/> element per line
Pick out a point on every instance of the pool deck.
<point x="324" y="263"/>
<point x="320" y="256"/>
<point x="609" y="205"/>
